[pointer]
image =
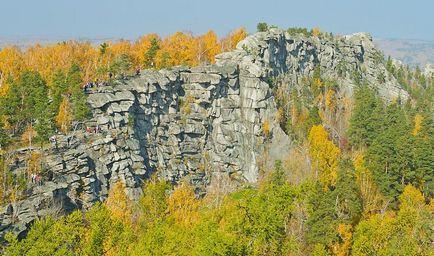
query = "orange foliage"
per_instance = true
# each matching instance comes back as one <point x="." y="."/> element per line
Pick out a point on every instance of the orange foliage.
<point x="206" y="48"/>
<point x="95" y="61"/>
<point x="345" y="233"/>
<point x="180" y="50"/>
<point x="231" y="41"/>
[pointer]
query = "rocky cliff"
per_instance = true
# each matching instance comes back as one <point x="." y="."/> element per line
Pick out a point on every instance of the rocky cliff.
<point x="203" y="123"/>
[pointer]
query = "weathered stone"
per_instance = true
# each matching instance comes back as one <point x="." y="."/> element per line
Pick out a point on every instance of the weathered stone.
<point x="172" y="120"/>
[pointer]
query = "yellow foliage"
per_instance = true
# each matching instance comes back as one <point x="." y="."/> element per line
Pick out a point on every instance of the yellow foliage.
<point x="180" y="48"/>
<point x="34" y="163"/>
<point x="185" y="105"/>
<point x="119" y="204"/>
<point x="318" y="83"/>
<point x="206" y="48"/>
<point x="418" y="119"/>
<point x="324" y="155"/>
<point x="6" y="124"/>
<point x="345" y="233"/>
<point x="280" y="115"/>
<point x="411" y="198"/>
<point x="316" y="32"/>
<point x="231" y="41"/>
<point x="266" y="127"/>
<point x="64" y="117"/>
<point x="372" y="199"/>
<point x="183" y="205"/>
<point x="11" y="64"/>
<point x="28" y="135"/>
<point x="330" y="99"/>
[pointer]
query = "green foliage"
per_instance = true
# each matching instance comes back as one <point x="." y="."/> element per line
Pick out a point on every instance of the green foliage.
<point x="151" y="53"/>
<point x="122" y="64"/>
<point x="295" y="31"/>
<point x="365" y="120"/>
<point x="103" y="48"/>
<point x="406" y="233"/>
<point x="80" y="108"/>
<point x="4" y="137"/>
<point x="262" y="27"/>
<point x="341" y="205"/>
<point x="165" y="59"/>
<point x="50" y="237"/>
<point x="389" y="155"/>
<point x="26" y="101"/>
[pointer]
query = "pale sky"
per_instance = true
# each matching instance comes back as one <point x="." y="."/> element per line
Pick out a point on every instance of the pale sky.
<point x="93" y="19"/>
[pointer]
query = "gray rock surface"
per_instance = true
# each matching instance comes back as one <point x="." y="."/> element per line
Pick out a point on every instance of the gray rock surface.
<point x="191" y="122"/>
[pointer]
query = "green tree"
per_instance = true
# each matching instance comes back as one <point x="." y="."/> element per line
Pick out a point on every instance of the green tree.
<point x="150" y="54"/>
<point x="341" y="205"/>
<point x="4" y="138"/>
<point x="58" y="87"/>
<point x="390" y="156"/>
<point x="50" y="237"/>
<point x="81" y="109"/>
<point x="365" y="122"/>
<point x="122" y="64"/>
<point x="262" y="27"/>
<point x="153" y="204"/>
<point x="103" y="48"/>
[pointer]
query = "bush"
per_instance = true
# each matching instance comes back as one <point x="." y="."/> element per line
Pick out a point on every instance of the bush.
<point x="262" y="27"/>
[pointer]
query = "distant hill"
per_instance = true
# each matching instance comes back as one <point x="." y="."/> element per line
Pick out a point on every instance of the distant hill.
<point x="411" y="52"/>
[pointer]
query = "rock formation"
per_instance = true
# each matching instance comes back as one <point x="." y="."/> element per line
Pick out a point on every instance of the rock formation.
<point x="200" y="123"/>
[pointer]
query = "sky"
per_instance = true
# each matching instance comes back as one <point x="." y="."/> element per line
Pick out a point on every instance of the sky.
<point x="128" y="19"/>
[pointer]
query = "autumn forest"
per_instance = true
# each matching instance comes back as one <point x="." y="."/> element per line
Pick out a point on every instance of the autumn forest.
<point x="368" y="192"/>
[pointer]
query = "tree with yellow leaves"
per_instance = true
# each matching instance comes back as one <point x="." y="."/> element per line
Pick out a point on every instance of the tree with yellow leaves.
<point x="372" y="199"/>
<point x="324" y="155"/>
<point x="207" y="47"/>
<point x="119" y="204"/>
<point x="266" y="127"/>
<point x="182" y="205"/>
<point x="11" y="65"/>
<point x="316" y="32"/>
<point x="231" y="41"/>
<point x="180" y="50"/>
<point x="64" y="117"/>
<point x="345" y="234"/>
<point x="28" y="135"/>
<point x="418" y="119"/>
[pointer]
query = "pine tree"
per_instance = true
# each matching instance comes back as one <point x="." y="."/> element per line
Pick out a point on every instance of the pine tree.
<point x="4" y="138"/>
<point x="149" y="58"/>
<point x="81" y="109"/>
<point x="365" y="122"/>
<point x="390" y="156"/>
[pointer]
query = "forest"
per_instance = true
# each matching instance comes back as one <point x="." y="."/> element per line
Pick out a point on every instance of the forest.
<point x="368" y="193"/>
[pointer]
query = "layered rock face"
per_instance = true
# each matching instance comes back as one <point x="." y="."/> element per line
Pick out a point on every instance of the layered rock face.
<point x="200" y="123"/>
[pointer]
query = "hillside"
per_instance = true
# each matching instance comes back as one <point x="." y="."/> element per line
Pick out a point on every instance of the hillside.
<point x="410" y="52"/>
<point x="310" y="137"/>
